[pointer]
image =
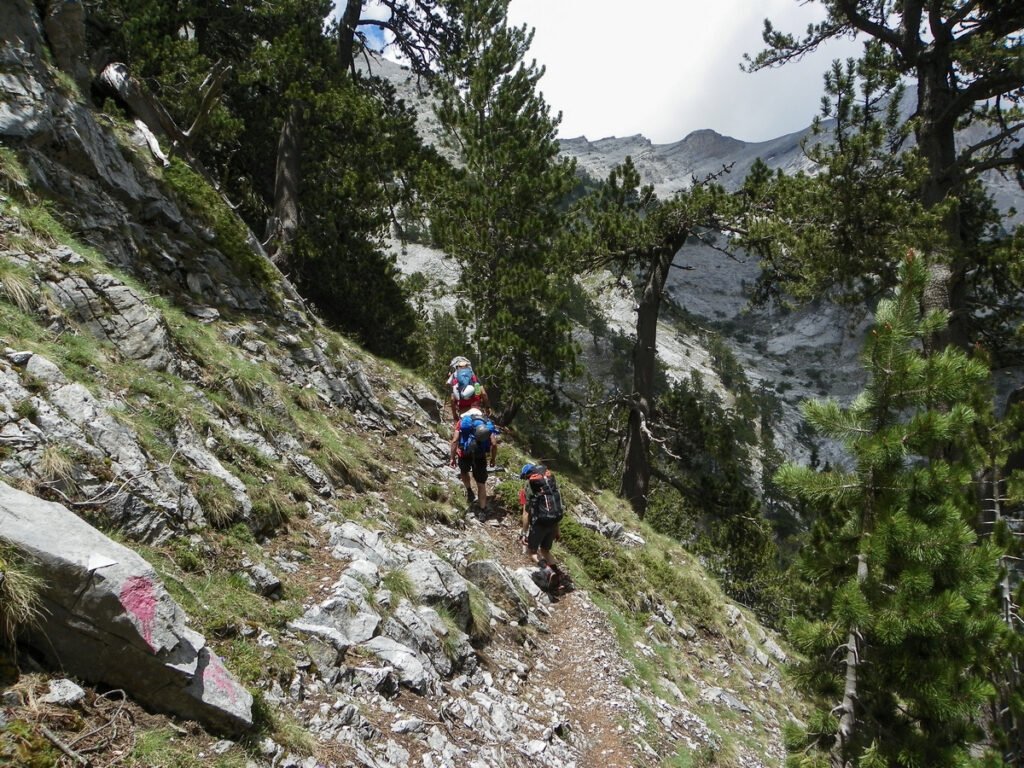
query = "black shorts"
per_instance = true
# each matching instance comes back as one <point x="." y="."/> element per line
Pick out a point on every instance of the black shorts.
<point x="542" y="536"/>
<point x="477" y="464"/>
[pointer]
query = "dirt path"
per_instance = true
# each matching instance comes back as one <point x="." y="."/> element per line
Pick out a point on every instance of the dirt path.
<point x="581" y="658"/>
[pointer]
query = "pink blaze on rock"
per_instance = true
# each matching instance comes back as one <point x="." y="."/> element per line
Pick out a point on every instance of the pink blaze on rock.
<point x="138" y="596"/>
<point x="215" y="674"/>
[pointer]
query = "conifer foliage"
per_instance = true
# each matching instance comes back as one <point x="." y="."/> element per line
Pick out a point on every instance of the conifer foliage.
<point x="499" y="211"/>
<point x="961" y="59"/>
<point x="903" y="612"/>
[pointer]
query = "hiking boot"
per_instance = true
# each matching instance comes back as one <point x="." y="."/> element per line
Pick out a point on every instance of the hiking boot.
<point x="470" y="496"/>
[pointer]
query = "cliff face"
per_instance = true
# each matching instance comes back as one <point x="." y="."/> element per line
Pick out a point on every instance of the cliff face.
<point x="161" y="383"/>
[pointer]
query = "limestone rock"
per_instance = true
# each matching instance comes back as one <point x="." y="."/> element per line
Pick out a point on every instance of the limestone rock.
<point x="499" y="588"/>
<point x="109" y="619"/>
<point x="436" y="583"/>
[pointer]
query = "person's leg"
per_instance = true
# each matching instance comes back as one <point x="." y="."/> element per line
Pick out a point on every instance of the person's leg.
<point x="545" y="538"/>
<point x="480" y="475"/>
<point x="532" y="543"/>
<point x="464" y="467"/>
<point x="470" y="496"/>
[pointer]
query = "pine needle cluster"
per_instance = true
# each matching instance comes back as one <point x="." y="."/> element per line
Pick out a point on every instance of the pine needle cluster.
<point x="903" y="590"/>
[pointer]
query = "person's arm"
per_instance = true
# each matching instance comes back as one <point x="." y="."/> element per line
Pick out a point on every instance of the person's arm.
<point x="494" y="448"/>
<point x="454" y="447"/>
<point x="485" y="401"/>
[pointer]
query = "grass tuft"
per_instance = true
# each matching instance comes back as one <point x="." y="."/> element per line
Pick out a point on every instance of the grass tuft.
<point x="56" y="465"/>
<point x="479" y="629"/>
<point x="19" y="593"/>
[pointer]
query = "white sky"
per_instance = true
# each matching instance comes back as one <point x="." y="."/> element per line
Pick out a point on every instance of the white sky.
<point x="665" y="68"/>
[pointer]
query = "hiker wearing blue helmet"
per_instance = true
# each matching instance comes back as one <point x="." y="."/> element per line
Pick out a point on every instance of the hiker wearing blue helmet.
<point x="542" y="510"/>
<point x="474" y="443"/>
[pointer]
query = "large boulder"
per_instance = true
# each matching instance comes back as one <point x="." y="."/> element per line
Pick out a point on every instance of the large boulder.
<point x="108" y="619"/>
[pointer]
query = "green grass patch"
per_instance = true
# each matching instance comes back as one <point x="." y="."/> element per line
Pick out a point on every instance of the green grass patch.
<point x="407" y="525"/>
<point x="17" y="286"/>
<point x="272" y="507"/>
<point x="26" y="409"/>
<point x="23" y="746"/>
<point x="479" y="629"/>
<point x="398" y="583"/>
<point x="56" y="464"/>
<point x="12" y="171"/>
<point x="506" y="496"/>
<point x="230" y="235"/>
<point x="215" y="497"/>
<point x="19" y="592"/>
<point x="20" y="328"/>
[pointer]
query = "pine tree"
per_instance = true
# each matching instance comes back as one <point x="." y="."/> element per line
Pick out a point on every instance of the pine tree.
<point x="498" y="212"/>
<point x="355" y="145"/>
<point x="625" y="229"/>
<point x="904" y="612"/>
<point x="962" y="58"/>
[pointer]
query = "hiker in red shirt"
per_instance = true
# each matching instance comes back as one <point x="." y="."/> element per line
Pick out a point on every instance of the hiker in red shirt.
<point x="466" y="389"/>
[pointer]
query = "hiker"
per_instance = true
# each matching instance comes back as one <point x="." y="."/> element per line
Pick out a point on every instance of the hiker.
<point x="466" y="389"/>
<point x="474" y="442"/>
<point x="542" y="510"/>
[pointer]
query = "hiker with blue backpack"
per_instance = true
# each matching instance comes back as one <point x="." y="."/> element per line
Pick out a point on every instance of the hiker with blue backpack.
<point x="542" y="511"/>
<point x="466" y="389"/>
<point x="474" y="443"/>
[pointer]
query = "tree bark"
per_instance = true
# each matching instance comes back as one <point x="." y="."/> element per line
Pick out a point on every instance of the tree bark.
<point x="935" y="135"/>
<point x="118" y="80"/>
<point x="636" y="474"/>
<point x="347" y="34"/>
<point x="847" y="709"/>
<point x="284" y="222"/>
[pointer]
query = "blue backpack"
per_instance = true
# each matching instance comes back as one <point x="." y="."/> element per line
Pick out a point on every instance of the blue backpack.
<point x="466" y="388"/>
<point x="475" y="435"/>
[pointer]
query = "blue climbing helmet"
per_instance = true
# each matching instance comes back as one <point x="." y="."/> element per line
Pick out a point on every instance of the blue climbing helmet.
<point x="526" y="470"/>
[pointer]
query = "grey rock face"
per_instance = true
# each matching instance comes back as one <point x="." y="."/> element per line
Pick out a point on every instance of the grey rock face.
<point x="114" y="311"/>
<point x="64" y="693"/>
<point x="499" y="588"/>
<point x="437" y="583"/>
<point x="404" y="660"/>
<point x="109" y="619"/>
<point x="345" y="619"/>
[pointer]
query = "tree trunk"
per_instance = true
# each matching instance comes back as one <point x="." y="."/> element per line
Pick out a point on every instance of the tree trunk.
<point x="117" y="79"/>
<point x="284" y="223"/>
<point x="936" y="139"/>
<point x="347" y="33"/>
<point x="636" y="473"/>
<point x="847" y="709"/>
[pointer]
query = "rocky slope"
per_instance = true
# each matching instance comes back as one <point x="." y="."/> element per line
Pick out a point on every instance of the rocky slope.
<point x="160" y="383"/>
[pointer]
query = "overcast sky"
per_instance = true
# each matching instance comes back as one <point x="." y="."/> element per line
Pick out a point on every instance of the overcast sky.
<point x="665" y="68"/>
